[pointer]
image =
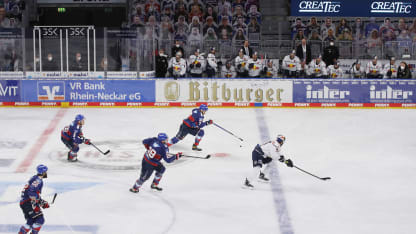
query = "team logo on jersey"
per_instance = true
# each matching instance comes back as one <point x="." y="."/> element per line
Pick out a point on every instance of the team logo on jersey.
<point x="51" y="90"/>
<point x="172" y="91"/>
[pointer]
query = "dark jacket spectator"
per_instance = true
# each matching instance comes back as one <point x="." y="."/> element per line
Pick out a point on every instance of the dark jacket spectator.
<point x="247" y="50"/>
<point x="303" y="52"/>
<point x="177" y="48"/>
<point x="403" y="71"/>
<point x="78" y="64"/>
<point x="331" y="54"/>
<point x="161" y="64"/>
<point x="50" y="64"/>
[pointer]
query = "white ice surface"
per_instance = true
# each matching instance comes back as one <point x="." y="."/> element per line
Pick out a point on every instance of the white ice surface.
<point x="370" y="155"/>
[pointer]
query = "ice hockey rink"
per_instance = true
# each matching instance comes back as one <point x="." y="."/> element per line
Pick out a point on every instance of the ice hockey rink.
<point x="368" y="153"/>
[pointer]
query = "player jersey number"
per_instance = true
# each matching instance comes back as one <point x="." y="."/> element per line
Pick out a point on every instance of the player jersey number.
<point x="151" y="153"/>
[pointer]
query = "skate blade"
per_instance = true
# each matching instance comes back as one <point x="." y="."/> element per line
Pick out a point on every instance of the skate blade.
<point x="247" y="187"/>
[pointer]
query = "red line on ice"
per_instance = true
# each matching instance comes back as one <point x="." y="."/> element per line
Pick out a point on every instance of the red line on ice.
<point x="34" y="151"/>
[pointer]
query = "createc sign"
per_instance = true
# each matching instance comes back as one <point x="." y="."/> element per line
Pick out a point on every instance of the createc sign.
<point x="391" y="7"/>
<point x="319" y="6"/>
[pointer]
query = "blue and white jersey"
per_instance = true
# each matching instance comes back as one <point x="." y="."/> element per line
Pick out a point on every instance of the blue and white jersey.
<point x="32" y="189"/>
<point x="73" y="133"/>
<point x="195" y="120"/>
<point x="156" y="150"/>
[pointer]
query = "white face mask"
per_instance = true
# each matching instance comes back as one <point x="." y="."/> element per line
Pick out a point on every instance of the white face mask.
<point x="402" y="67"/>
<point x="177" y="45"/>
<point x="331" y="44"/>
<point x="49" y="59"/>
<point x="78" y="58"/>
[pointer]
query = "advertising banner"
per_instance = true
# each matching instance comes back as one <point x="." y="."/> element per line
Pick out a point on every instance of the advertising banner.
<point x="10" y="90"/>
<point x="224" y="91"/>
<point x="89" y="90"/>
<point x="80" y="1"/>
<point x="354" y="91"/>
<point x="353" y="8"/>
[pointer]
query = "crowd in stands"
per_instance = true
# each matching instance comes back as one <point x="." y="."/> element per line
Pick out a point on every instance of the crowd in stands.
<point x="11" y="13"/>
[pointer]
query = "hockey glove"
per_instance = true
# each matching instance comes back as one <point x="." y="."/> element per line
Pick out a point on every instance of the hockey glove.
<point x="389" y="73"/>
<point x="267" y="160"/>
<point x="239" y="66"/>
<point x="45" y="205"/>
<point x="191" y="65"/>
<point x="282" y="158"/>
<point x="178" y="155"/>
<point x="198" y="65"/>
<point x="289" y="163"/>
<point x="265" y="69"/>
<point x="251" y="65"/>
<point x="209" y="122"/>
<point x="87" y="141"/>
<point x="219" y="63"/>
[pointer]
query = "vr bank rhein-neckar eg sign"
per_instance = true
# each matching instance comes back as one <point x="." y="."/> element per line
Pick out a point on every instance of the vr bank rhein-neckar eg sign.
<point x="353" y="8"/>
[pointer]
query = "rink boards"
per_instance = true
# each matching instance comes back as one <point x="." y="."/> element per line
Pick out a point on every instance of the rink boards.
<point x="299" y="93"/>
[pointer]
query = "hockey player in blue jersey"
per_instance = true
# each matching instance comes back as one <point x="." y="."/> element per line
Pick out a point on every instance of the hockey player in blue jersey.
<point x="264" y="154"/>
<point x="193" y="125"/>
<point x="156" y="150"/>
<point x="31" y="202"/>
<point x="72" y="136"/>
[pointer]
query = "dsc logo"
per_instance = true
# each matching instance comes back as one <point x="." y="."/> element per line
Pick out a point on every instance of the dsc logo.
<point x="51" y="91"/>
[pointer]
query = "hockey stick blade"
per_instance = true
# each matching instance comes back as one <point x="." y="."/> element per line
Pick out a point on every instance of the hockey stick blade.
<point x="106" y="152"/>
<point x="326" y="178"/>
<point x="54" y="197"/>
<point x="190" y="156"/>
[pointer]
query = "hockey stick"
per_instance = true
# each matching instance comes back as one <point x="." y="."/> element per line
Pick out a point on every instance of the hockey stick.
<point x="241" y="139"/>
<point x="105" y="153"/>
<point x="54" y="197"/>
<point x="189" y="156"/>
<point x="321" y="178"/>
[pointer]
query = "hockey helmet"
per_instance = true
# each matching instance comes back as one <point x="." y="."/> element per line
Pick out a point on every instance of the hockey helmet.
<point x="79" y="117"/>
<point x="162" y="136"/>
<point x="203" y="107"/>
<point x="281" y="139"/>
<point x="41" y="169"/>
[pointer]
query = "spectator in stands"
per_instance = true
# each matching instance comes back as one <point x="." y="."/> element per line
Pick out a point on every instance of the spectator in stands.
<point x="388" y="35"/>
<point x="401" y="26"/>
<point x="239" y="37"/>
<point x="195" y="38"/>
<point x="4" y="22"/>
<point x="240" y="63"/>
<point x="140" y="12"/>
<point x="179" y="4"/>
<point x="343" y="24"/>
<point x="297" y="26"/>
<point x="357" y="71"/>
<point x="210" y="12"/>
<point x="152" y="23"/>
<point x="152" y="7"/>
<point x="212" y="3"/>
<point x="168" y="12"/>
<point x="211" y="35"/>
<point x="330" y="36"/>
<point x="50" y="64"/>
<point x="326" y="27"/>
<point x="224" y="39"/>
<point x="228" y="71"/>
<point x="345" y="35"/>
<point x="225" y="12"/>
<point x="374" y="69"/>
<point x="303" y="52"/>
<point x="358" y="29"/>
<point x="181" y="24"/>
<point x="374" y="43"/>
<point x="238" y="3"/>
<point x="390" y="69"/>
<point x="225" y="25"/>
<point x="196" y="12"/>
<point x="247" y="50"/>
<point x="177" y="48"/>
<point x="161" y="64"/>
<point x="371" y="26"/>
<point x="254" y="13"/>
<point x="300" y="35"/>
<point x="196" y="3"/>
<point x="78" y="63"/>
<point x="315" y="36"/>
<point x="11" y="60"/>
<point x="249" y="3"/>
<point x="239" y="23"/>
<point x="137" y="24"/>
<point x="270" y="70"/>
<point x="168" y="4"/>
<point x="195" y="24"/>
<point x="166" y="30"/>
<point x="412" y="29"/>
<point x="313" y="25"/>
<point x="291" y="65"/>
<point x="331" y="54"/>
<point x="181" y="11"/>
<point x="210" y="24"/>
<point x="222" y="4"/>
<point x="239" y="14"/>
<point x="253" y="26"/>
<point x="403" y="71"/>
<point x="317" y="68"/>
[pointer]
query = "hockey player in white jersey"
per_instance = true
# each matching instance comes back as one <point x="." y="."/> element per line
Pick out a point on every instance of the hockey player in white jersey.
<point x="265" y="154"/>
<point x="240" y="64"/>
<point x="374" y="69"/>
<point x="196" y="64"/>
<point x="212" y="64"/>
<point x="228" y="71"/>
<point x="177" y="66"/>
<point x="270" y="70"/>
<point x="357" y="71"/>
<point x="390" y="69"/>
<point x="254" y="66"/>
<point x="335" y="71"/>
<point x="291" y="65"/>
<point x="317" y="68"/>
